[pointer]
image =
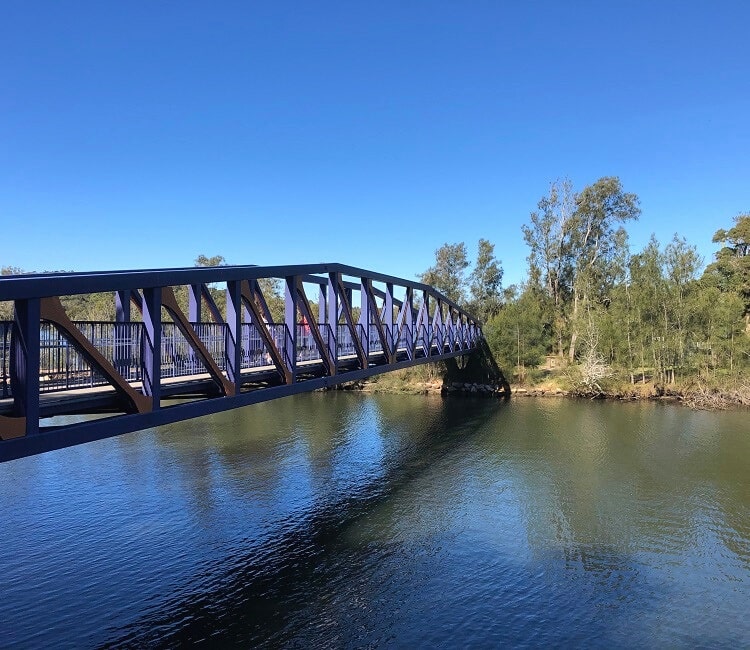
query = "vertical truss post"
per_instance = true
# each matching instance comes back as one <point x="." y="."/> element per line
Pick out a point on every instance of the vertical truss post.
<point x="322" y="303"/>
<point x="234" y="334"/>
<point x="332" y="320"/>
<point x="122" y="306"/>
<point x="364" y="317"/>
<point x="349" y="296"/>
<point x="194" y="303"/>
<point x="423" y="317"/>
<point x="151" y="355"/>
<point x="24" y="374"/>
<point x="452" y="315"/>
<point x="444" y="313"/>
<point x="122" y="330"/>
<point x="437" y="327"/>
<point x="408" y="306"/>
<point x="195" y="307"/>
<point x="290" y="320"/>
<point x="388" y="321"/>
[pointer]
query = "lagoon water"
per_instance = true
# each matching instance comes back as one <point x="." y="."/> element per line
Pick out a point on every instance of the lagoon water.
<point x="350" y="520"/>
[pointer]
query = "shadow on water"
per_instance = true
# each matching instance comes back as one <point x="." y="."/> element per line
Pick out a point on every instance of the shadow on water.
<point x="247" y="598"/>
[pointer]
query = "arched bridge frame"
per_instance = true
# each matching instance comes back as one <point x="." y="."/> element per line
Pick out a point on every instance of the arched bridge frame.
<point x="360" y="323"/>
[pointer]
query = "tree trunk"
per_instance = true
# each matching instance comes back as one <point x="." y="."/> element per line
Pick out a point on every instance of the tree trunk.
<point x="574" y="334"/>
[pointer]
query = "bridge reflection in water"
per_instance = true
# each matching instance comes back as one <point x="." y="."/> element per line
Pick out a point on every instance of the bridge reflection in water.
<point x="166" y="365"/>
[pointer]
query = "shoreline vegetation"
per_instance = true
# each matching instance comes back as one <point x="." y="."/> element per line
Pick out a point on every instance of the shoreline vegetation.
<point x="432" y="379"/>
<point x="595" y="319"/>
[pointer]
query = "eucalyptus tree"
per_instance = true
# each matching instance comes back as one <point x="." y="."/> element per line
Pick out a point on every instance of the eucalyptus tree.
<point x="448" y="274"/>
<point x="598" y="243"/>
<point x="578" y="248"/>
<point x="516" y="334"/>
<point x="732" y="265"/>
<point x="681" y="264"/>
<point x="485" y="282"/>
<point x="548" y="237"/>
<point x="719" y="331"/>
<point x="646" y="295"/>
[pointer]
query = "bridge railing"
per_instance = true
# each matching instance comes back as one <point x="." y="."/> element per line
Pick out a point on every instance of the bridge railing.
<point x="5" y="332"/>
<point x="62" y="368"/>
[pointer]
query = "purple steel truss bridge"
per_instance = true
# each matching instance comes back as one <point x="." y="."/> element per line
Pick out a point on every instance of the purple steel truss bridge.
<point x="216" y="347"/>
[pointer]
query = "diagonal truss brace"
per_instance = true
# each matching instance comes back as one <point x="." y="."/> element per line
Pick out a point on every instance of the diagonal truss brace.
<point x="304" y="306"/>
<point x="169" y="302"/>
<point x="51" y="310"/>
<point x="346" y="309"/>
<point x="377" y="321"/>
<point x="251" y="297"/>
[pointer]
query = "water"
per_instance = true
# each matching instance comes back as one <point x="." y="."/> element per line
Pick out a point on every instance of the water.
<point x="380" y="521"/>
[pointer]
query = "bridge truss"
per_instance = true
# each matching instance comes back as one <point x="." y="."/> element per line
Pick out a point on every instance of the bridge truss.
<point x="159" y="362"/>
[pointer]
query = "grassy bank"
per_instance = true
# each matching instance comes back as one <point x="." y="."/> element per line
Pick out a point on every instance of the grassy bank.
<point x="695" y="392"/>
<point x="418" y="380"/>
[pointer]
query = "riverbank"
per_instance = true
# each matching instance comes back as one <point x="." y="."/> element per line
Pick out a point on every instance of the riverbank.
<point x="424" y="380"/>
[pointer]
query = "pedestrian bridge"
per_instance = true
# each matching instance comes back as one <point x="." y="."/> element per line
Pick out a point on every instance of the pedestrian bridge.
<point x="190" y="342"/>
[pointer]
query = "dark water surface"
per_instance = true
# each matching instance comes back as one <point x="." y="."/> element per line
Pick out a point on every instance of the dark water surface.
<point x="381" y="521"/>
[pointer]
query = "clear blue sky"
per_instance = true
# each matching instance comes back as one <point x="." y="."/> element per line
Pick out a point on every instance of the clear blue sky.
<point x="141" y="134"/>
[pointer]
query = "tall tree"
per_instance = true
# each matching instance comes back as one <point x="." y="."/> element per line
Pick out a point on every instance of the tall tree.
<point x="647" y="295"/>
<point x="598" y="242"/>
<point x="732" y="263"/>
<point x="485" y="282"/>
<point x="681" y="264"/>
<point x="577" y="248"/>
<point x="550" y="257"/>
<point x="448" y="274"/>
<point x="516" y="334"/>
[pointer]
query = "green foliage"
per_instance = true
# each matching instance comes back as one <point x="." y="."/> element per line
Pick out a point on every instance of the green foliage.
<point x="485" y="282"/>
<point x="578" y="250"/>
<point x="483" y="287"/>
<point x="412" y="380"/>
<point x="216" y="260"/>
<point x="271" y="290"/>
<point x="516" y="334"/>
<point x="644" y="317"/>
<point x="448" y="273"/>
<point x="6" y="308"/>
<point x="90" y="306"/>
<point x="732" y="266"/>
